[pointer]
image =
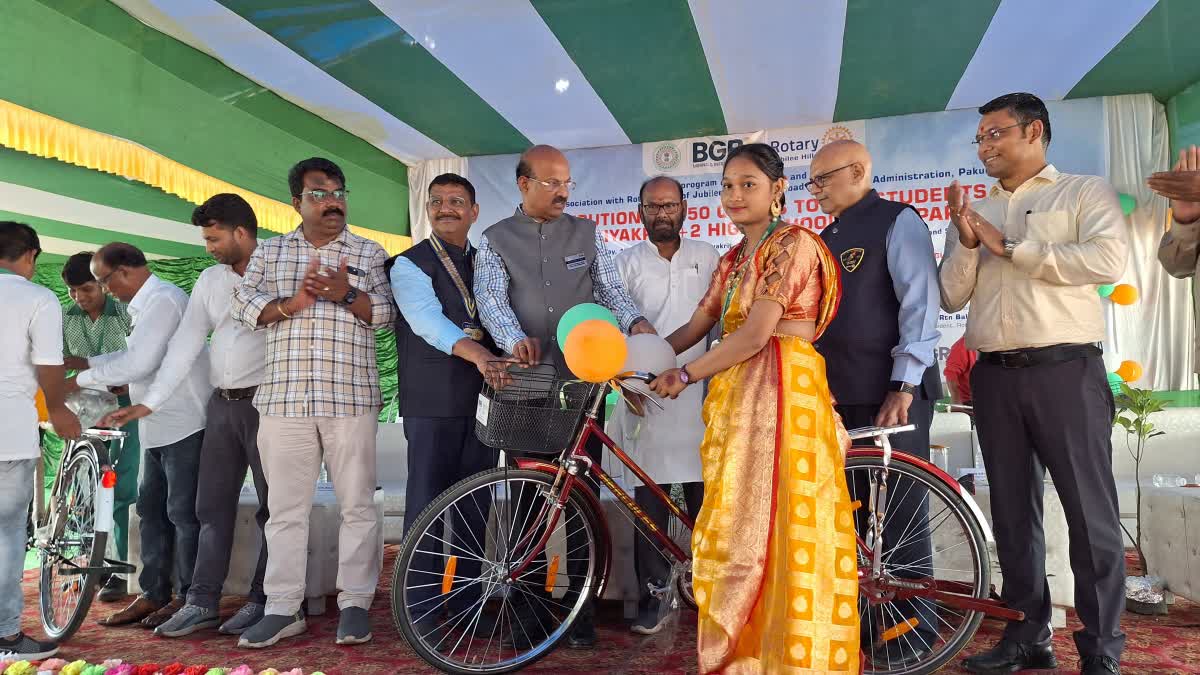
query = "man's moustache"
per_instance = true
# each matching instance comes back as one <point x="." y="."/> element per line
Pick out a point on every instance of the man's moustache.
<point x="330" y="212"/>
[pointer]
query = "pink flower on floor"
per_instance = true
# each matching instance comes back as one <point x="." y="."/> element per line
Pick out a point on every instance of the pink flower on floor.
<point x="242" y="670"/>
<point x="173" y="669"/>
<point x="53" y="665"/>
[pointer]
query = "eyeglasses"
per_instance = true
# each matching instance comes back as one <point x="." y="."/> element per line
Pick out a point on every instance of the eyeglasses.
<point x="995" y="134"/>
<point x="823" y="180"/>
<point x="554" y="185"/>
<point x="322" y="195"/>
<point x="456" y="203"/>
<point x="670" y="208"/>
<point x="103" y="281"/>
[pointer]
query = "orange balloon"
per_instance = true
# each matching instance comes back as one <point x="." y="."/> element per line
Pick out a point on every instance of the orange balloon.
<point x="39" y="400"/>
<point x="1124" y="294"/>
<point x="595" y="350"/>
<point x="1130" y="371"/>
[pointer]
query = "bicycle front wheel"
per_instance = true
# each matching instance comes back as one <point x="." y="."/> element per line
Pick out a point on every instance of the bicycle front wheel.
<point x="458" y="596"/>
<point x="933" y="556"/>
<point x="66" y="585"/>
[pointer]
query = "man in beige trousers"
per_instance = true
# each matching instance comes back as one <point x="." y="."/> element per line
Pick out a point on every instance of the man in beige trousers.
<point x="321" y="293"/>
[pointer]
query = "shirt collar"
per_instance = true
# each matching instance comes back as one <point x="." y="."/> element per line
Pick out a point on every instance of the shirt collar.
<point x="343" y="237"/>
<point x="142" y="297"/>
<point x="867" y="200"/>
<point x="453" y="248"/>
<point x="1048" y="174"/>
<point x="520" y="213"/>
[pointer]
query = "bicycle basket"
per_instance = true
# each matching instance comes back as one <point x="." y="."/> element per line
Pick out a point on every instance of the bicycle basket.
<point x="535" y="412"/>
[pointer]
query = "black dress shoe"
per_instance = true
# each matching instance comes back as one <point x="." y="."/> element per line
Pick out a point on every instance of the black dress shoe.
<point x="113" y="589"/>
<point x="583" y="632"/>
<point x="1099" y="665"/>
<point x="1010" y="656"/>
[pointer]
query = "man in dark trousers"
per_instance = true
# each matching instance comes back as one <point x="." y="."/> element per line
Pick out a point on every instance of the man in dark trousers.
<point x="879" y="355"/>
<point x="1028" y="259"/>
<point x="443" y="355"/>
<point x="535" y="265"/>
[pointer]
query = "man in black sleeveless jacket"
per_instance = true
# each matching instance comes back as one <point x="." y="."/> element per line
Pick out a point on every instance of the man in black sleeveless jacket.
<point x="443" y="356"/>
<point x="879" y="355"/>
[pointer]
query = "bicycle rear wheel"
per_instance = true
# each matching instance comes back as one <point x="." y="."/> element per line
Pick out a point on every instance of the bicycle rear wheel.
<point x="454" y="597"/>
<point x="66" y="587"/>
<point x="908" y="628"/>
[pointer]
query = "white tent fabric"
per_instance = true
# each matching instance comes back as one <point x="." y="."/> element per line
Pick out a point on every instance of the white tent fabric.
<point x="419" y="175"/>
<point x="1156" y="331"/>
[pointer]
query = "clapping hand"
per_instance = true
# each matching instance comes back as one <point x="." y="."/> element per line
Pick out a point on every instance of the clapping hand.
<point x="330" y="284"/>
<point x="973" y="229"/>
<point x="1181" y="185"/>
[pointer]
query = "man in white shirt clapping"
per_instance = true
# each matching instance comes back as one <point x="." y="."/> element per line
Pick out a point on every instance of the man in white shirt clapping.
<point x="30" y="356"/>
<point x="238" y="359"/>
<point x="171" y="438"/>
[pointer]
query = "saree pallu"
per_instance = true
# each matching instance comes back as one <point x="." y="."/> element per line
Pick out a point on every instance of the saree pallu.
<point x="775" y="571"/>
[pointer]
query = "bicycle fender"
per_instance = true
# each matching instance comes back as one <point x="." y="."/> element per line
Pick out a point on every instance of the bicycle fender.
<point x="104" y="509"/>
<point x="905" y="458"/>
<point x="604" y="536"/>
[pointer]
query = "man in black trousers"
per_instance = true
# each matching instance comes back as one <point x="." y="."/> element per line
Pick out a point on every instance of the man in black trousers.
<point x="1028" y="259"/>
<point x="879" y="356"/>
<point x="443" y="357"/>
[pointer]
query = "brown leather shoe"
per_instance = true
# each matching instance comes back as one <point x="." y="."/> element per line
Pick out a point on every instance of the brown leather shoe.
<point x="161" y="616"/>
<point x="137" y="610"/>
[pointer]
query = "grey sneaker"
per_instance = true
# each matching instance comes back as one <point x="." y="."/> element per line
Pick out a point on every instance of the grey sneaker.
<point x="188" y="620"/>
<point x="354" y="627"/>
<point x="272" y="629"/>
<point x="25" y="648"/>
<point x="250" y="614"/>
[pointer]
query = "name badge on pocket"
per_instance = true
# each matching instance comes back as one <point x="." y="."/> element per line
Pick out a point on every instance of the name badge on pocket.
<point x="575" y="262"/>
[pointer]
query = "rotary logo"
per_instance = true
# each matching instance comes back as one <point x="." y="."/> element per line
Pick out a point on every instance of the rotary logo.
<point x="837" y="133"/>
<point x="666" y="157"/>
<point x="852" y="258"/>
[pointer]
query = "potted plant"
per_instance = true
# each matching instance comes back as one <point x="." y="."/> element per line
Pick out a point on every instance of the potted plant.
<point x="1134" y="408"/>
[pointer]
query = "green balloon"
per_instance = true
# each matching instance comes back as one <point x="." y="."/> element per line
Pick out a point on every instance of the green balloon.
<point x="1115" y="382"/>
<point x="577" y="315"/>
<point x="1106" y="290"/>
<point x="1128" y="203"/>
<point x="610" y="402"/>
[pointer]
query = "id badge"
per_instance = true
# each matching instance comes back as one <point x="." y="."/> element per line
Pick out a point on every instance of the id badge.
<point x="575" y="262"/>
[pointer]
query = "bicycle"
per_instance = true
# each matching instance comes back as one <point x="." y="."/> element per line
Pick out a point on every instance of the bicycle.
<point x="70" y="532"/>
<point x="463" y="602"/>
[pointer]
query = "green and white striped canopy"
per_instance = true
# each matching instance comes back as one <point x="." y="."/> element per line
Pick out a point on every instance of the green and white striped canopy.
<point x="435" y="78"/>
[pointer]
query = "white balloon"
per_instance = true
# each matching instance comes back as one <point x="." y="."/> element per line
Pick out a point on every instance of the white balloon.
<point x="649" y="354"/>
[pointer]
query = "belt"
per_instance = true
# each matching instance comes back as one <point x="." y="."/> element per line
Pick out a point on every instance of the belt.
<point x="1027" y="358"/>
<point x="237" y="394"/>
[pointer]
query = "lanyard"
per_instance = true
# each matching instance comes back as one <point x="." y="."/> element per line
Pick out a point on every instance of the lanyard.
<point x="740" y="269"/>
<point x="467" y="297"/>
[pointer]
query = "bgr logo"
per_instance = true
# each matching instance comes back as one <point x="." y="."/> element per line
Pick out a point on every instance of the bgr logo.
<point x="666" y="157"/>
<point x="715" y="151"/>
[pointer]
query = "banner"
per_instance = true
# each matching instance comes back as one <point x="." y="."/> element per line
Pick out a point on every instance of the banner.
<point x="914" y="158"/>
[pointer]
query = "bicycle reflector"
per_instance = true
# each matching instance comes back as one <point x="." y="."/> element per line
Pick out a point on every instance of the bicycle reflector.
<point x="551" y="574"/>
<point x="448" y="574"/>
<point x="899" y="629"/>
<point x="109" y="479"/>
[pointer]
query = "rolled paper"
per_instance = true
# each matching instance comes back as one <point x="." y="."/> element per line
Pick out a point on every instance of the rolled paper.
<point x="74" y="668"/>
<point x="242" y="670"/>
<point x="21" y="668"/>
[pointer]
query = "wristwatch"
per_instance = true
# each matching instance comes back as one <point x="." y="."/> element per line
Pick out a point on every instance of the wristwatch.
<point x="684" y="377"/>
<point x="1010" y="245"/>
<point x="351" y="296"/>
<point x="903" y="387"/>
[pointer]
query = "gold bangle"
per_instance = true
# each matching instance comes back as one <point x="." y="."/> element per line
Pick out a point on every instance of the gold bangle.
<point x="279" y="306"/>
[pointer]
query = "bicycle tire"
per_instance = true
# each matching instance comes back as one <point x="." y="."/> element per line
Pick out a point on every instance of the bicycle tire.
<point x="400" y="617"/>
<point x="966" y="517"/>
<point x="79" y="458"/>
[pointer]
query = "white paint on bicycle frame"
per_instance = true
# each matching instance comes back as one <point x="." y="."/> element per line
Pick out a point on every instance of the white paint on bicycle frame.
<point x="104" y="510"/>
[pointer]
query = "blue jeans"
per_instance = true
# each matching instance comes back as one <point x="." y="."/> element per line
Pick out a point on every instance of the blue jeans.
<point x="16" y="491"/>
<point x="166" y="505"/>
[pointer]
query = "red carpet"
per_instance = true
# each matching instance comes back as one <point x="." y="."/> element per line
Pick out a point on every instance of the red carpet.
<point x="1169" y="644"/>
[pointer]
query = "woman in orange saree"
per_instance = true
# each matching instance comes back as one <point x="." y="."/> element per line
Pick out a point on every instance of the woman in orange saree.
<point x="775" y="571"/>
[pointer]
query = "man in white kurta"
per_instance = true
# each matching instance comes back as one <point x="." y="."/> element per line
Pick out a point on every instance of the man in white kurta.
<point x="666" y="276"/>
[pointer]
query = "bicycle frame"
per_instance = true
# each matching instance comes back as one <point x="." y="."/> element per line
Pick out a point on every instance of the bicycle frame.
<point x="43" y="517"/>
<point x="574" y="461"/>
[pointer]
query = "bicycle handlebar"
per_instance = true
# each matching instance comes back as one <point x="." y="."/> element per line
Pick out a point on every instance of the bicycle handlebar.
<point x="877" y="432"/>
<point x="959" y="408"/>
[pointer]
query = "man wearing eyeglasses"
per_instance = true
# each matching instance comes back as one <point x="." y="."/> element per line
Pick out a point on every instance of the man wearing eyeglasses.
<point x="444" y="354"/>
<point x="880" y="357"/>
<point x="537" y="264"/>
<point x="667" y="276"/>
<point x="171" y="440"/>
<point x="320" y="292"/>
<point x="1028" y="259"/>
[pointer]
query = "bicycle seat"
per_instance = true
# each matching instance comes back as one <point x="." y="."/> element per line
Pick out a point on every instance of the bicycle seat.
<point x="878" y="432"/>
